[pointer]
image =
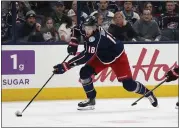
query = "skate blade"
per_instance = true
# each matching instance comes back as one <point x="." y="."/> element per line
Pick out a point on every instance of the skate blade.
<point x="157" y="106"/>
<point x="176" y="107"/>
<point x="86" y="108"/>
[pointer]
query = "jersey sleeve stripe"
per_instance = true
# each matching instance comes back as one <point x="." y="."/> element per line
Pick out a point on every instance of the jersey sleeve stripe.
<point x="111" y="39"/>
<point x="77" y="59"/>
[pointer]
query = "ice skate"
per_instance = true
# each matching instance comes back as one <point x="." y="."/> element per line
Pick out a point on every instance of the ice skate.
<point x="177" y="105"/>
<point x="87" y="104"/>
<point x="153" y="100"/>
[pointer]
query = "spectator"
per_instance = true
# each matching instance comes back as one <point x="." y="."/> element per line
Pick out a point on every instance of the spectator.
<point x="107" y="15"/>
<point x="128" y="12"/>
<point x="146" y="28"/>
<point x="87" y="7"/>
<point x="120" y="5"/>
<point x="59" y="17"/>
<point x="99" y="19"/>
<point x="64" y="32"/>
<point x="177" y="7"/>
<point x="121" y="29"/>
<point x="5" y="28"/>
<point x="21" y="10"/>
<point x="19" y="15"/>
<point x="74" y="6"/>
<point x="72" y="13"/>
<point x="49" y="32"/>
<point x="169" y="19"/>
<point x="41" y="7"/>
<point x="113" y="6"/>
<point x="68" y="6"/>
<point x="149" y="6"/>
<point x="30" y="30"/>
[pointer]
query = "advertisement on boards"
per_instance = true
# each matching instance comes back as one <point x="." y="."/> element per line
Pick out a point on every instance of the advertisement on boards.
<point x="29" y="66"/>
<point x="15" y="63"/>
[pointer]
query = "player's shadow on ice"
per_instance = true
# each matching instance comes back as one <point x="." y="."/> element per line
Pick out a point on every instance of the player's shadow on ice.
<point x="89" y="112"/>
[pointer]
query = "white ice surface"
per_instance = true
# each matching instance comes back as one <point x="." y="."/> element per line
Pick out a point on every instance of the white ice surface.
<point x="107" y="113"/>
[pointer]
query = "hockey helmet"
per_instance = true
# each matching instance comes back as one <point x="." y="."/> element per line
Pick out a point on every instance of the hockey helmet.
<point x="90" y="21"/>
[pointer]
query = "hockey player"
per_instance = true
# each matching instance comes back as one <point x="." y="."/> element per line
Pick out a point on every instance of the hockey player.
<point x="83" y="57"/>
<point x="107" y="52"/>
<point x="173" y="75"/>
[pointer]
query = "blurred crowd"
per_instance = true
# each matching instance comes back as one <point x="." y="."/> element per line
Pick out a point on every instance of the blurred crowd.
<point x="136" y="20"/>
<point x="53" y="21"/>
<point x="43" y="21"/>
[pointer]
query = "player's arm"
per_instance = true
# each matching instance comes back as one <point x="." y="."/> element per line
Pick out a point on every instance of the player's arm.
<point x="73" y="44"/>
<point x="172" y="74"/>
<point x="82" y="58"/>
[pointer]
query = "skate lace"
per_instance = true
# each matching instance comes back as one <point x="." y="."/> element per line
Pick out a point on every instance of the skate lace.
<point x="151" y="99"/>
<point x="85" y="101"/>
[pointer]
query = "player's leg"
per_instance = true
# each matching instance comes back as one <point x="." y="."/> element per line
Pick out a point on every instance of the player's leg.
<point x="85" y="77"/>
<point x="122" y="70"/>
<point x="94" y="66"/>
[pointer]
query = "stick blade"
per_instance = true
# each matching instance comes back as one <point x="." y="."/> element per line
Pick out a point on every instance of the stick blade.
<point x="133" y="104"/>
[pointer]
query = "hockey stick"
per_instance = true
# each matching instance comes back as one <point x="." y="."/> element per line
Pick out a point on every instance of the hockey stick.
<point x="20" y="114"/>
<point x="148" y="92"/>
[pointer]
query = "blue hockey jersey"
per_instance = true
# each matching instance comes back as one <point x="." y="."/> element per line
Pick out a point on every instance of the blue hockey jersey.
<point x="101" y="43"/>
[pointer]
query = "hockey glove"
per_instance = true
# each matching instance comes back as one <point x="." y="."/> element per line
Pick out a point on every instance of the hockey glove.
<point x="172" y="75"/>
<point x="61" y="68"/>
<point x="73" y="46"/>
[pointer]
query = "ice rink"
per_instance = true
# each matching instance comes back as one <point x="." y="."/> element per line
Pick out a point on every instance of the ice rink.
<point x="108" y="113"/>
